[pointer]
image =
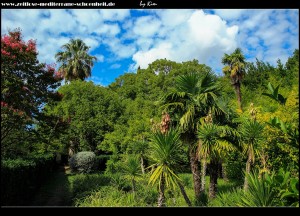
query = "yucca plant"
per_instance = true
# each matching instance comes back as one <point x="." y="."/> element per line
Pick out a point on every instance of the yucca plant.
<point x="260" y="192"/>
<point x="251" y="134"/>
<point x="164" y="153"/>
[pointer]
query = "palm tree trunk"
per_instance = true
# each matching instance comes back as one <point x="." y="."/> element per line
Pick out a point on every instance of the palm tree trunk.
<point x="224" y="172"/>
<point x="237" y="87"/>
<point x="142" y="165"/>
<point x="133" y="185"/>
<point x="203" y="174"/>
<point x="195" y="171"/>
<point x="161" y="196"/>
<point x="186" y="198"/>
<point x="248" y="168"/>
<point x="213" y="179"/>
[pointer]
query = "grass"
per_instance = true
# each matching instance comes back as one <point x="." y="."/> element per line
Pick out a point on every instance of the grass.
<point x="95" y="190"/>
<point x="55" y="191"/>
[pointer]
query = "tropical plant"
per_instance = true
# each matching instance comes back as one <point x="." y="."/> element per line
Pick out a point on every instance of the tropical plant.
<point x="164" y="151"/>
<point x="194" y="95"/>
<point x="251" y="136"/>
<point x="213" y="146"/>
<point x="260" y="192"/>
<point x="274" y="94"/>
<point x="132" y="170"/>
<point x="235" y="69"/>
<point x="76" y="62"/>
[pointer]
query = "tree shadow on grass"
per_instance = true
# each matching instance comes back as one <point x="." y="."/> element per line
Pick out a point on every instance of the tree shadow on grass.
<point x="55" y="191"/>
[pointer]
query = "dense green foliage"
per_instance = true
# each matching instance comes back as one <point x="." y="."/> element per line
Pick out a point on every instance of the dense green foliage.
<point x="26" y="85"/>
<point x="20" y="178"/>
<point x="127" y="127"/>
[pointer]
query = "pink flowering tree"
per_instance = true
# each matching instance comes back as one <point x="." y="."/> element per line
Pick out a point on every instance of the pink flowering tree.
<point x="26" y="85"/>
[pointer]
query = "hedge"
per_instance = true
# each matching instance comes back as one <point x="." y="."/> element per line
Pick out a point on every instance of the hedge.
<point x="20" y="178"/>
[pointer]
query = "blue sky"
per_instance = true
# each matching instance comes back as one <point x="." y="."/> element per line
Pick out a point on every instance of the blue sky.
<point x="124" y="39"/>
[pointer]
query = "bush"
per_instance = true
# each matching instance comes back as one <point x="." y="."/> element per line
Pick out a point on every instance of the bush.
<point x="235" y="167"/>
<point x="83" y="162"/>
<point x="20" y="178"/>
<point x="83" y="184"/>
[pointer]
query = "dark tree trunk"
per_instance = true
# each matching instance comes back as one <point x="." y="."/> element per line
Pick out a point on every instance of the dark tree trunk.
<point x="237" y="87"/>
<point x="213" y="178"/>
<point x="248" y="167"/>
<point x="186" y="198"/>
<point x="161" y="196"/>
<point x="224" y="172"/>
<point x="203" y="174"/>
<point x="195" y="171"/>
<point x="220" y="173"/>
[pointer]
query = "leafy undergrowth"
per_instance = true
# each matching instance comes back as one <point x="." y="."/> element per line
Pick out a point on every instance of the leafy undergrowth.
<point x="100" y="190"/>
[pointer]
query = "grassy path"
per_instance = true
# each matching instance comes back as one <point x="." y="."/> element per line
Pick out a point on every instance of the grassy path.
<point x="55" y="191"/>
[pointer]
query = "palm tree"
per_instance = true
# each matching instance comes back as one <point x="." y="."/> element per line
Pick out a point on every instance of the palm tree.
<point x="164" y="152"/>
<point x="76" y="62"/>
<point x="235" y="69"/>
<point x="214" y="146"/>
<point x="251" y="136"/>
<point x="194" y="95"/>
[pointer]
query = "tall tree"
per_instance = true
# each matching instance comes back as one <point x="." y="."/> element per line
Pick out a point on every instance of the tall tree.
<point x="214" y="146"/>
<point x="251" y="136"/>
<point x="26" y="86"/>
<point x="76" y="62"/>
<point x="235" y="69"/>
<point x="193" y="97"/>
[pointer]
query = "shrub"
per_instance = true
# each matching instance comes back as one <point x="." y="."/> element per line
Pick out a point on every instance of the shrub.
<point x="84" y="184"/>
<point x="20" y="178"/>
<point x="82" y="162"/>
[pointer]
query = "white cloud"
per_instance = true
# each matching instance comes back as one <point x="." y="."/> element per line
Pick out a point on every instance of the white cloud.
<point x="142" y="58"/>
<point x="115" y="15"/>
<point x="107" y="30"/>
<point x="100" y="58"/>
<point x="91" y="42"/>
<point x="146" y="35"/>
<point x="230" y="14"/>
<point x="146" y="26"/>
<point x="115" y="66"/>
<point x="197" y="36"/>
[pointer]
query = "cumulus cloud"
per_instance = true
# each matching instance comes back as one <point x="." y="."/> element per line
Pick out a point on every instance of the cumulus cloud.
<point x="197" y="36"/>
<point x="141" y="36"/>
<point x="100" y="58"/>
<point x="230" y="14"/>
<point x="53" y="28"/>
